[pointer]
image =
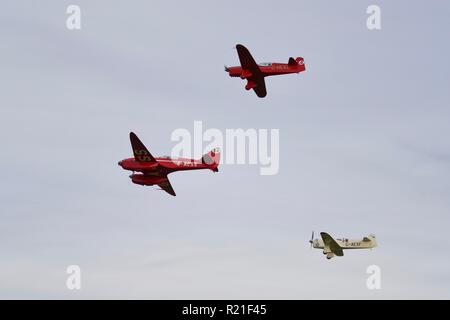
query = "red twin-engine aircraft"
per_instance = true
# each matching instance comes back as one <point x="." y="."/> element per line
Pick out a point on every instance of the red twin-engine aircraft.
<point x="155" y="170"/>
<point x="255" y="73"/>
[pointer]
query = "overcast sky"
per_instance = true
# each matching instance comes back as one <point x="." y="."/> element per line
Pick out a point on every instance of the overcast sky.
<point x="364" y="148"/>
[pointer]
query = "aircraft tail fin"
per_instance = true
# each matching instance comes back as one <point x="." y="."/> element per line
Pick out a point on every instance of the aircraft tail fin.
<point x="299" y="61"/>
<point x="212" y="159"/>
<point x="372" y="239"/>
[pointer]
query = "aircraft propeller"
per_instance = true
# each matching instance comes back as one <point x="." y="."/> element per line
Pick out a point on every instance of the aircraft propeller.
<point x="312" y="238"/>
<point x="226" y="68"/>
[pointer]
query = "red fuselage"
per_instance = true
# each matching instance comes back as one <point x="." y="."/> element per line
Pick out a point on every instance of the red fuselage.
<point x="156" y="172"/>
<point x="269" y="69"/>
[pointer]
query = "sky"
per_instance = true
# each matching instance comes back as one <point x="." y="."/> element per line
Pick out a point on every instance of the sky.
<point x="364" y="148"/>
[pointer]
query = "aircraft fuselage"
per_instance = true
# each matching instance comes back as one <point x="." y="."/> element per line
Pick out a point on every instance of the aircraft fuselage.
<point x="273" y="69"/>
<point x="345" y="244"/>
<point x="156" y="172"/>
<point x="169" y="165"/>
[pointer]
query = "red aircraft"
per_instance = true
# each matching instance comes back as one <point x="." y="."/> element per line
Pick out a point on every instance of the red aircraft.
<point x="155" y="170"/>
<point x="255" y="73"/>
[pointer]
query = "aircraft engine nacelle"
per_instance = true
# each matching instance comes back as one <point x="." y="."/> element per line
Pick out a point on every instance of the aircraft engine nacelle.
<point x="146" y="180"/>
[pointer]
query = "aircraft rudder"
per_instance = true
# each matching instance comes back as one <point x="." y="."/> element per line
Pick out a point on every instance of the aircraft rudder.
<point x="212" y="159"/>
<point x="301" y="62"/>
<point x="373" y="239"/>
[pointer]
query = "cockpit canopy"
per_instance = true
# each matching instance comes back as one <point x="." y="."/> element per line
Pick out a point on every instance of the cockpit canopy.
<point x="265" y="64"/>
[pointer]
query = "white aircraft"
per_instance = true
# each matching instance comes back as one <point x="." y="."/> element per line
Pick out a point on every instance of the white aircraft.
<point x="332" y="247"/>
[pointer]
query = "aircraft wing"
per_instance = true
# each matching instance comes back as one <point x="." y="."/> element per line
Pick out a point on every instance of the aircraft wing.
<point x="260" y="88"/>
<point x="167" y="187"/>
<point x="249" y="64"/>
<point x="332" y="244"/>
<point x="247" y="61"/>
<point x="139" y="150"/>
